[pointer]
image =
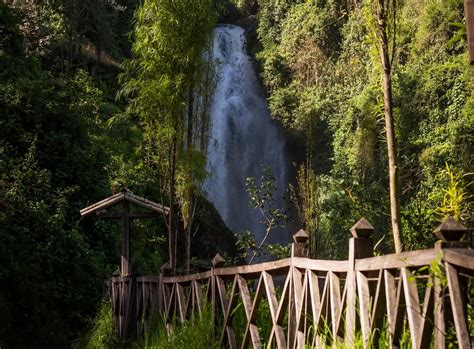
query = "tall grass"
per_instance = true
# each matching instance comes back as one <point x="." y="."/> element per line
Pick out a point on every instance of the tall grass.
<point x="379" y="338"/>
<point x="102" y="334"/>
<point x="195" y="333"/>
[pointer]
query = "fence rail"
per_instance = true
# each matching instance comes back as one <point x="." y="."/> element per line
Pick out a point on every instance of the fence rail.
<point x="427" y="292"/>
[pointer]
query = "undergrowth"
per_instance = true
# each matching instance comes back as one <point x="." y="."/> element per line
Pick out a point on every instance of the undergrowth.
<point x="102" y="334"/>
<point x="195" y="333"/>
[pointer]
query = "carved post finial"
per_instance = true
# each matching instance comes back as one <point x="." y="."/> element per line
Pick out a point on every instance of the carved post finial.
<point x="300" y="236"/>
<point x="299" y="246"/>
<point x="165" y="269"/>
<point x="450" y="233"/>
<point x="450" y="230"/>
<point x="217" y="261"/>
<point x="362" y="229"/>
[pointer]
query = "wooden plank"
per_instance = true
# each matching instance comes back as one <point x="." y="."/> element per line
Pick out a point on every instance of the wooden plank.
<point x="457" y="307"/>
<point x="379" y="307"/>
<point x="277" y="329"/>
<point x="273" y="305"/>
<point x="319" y="264"/>
<point x="125" y="258"/>
<point x="208" y="291"/>
<point x="340" y="318"/>
<point x="426" y="325"/>
<point x="459" y="256"/>
<point x="315" y="298"/>
<point x="335" y="297"/>
<point x="412" y="304"/>
<point x="299" y="295"/>
<point x="351" y="311"/>
<point x="439" y="318"/>
<point x="393" y="296"/>
<point x="245" y="295"/>
<point x="118" y="215"/>
<point x="226" y="329"/>
<point x="169" y="305"/>
<point x="145" y="203"/>
<point x="129" y="197"/>
<point x="393" y="261"/>
<point x="254" y="270"/>
<point x="188" y="295"/>
<point x="364" y="306"/>
<point x="271" y="295"/>
<point x="251" y="330"/>
<point x="197" y="296"/>
<point x="103" y="204"/>
<point x="212" y="290"/>
<point x="187" y="278"/>
<point x="154" y="279"/>
<point x="181" y="303"/>
<point x="142" y="306"/>
<point x="322" y="315"/>
<point x="291" y="328"/>
<point x="246" y="271"/>
<point x="224" y="301"/>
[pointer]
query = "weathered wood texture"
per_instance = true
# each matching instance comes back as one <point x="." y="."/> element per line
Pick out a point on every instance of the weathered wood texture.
<point x="305" y="298"/>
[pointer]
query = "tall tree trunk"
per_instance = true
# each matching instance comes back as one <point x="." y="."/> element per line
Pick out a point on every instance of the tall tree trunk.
<point x="382" y="14"/>
<point x="173" y="220"/>
<point x="190" y="126"/>
<point x="187" y="216"/>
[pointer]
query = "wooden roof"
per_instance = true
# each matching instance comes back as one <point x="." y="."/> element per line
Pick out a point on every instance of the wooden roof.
<point x="125" y="195"/>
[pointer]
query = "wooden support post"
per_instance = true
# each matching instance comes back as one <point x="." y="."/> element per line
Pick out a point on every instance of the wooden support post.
<point x="469" y="11"/>
<point x="360" y="246"/>
<point x="449" y="233"/>
<point x="299" y="247"/>
<point x="125" y="259"/>
<point x="217" y="262"/>
<point x="165" y="270"/>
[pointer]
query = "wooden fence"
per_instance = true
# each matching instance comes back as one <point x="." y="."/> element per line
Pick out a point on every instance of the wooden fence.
<point x="425" y="294"/>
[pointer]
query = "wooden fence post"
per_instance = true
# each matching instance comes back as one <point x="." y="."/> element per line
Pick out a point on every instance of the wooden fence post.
<point x="217" y="262"/>
<point x="360" y="246"/>
<point x="449" y="233"/>
<point x="165" y="270"/>
<point x="299" y="247"/>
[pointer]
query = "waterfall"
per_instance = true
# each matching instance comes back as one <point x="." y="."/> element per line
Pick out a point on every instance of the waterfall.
<point x="242" y="137"/>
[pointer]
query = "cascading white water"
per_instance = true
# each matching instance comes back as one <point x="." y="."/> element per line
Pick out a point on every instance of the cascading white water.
<point x="242" y="137"/>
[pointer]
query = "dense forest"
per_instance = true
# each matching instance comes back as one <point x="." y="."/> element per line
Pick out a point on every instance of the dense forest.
<point x="99" y="96"/>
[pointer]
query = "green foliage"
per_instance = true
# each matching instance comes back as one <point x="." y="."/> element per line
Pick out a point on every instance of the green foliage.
<point x="456" y="197"/>
<point x="261" y="197"/>
<point x="52" y="160"/>
<point x="320" y="66"/>
<point x="65" y="142"/>
<point x="306" y="201"/>
<point x="54" y="151"/>
<point x="102" y="334"/>
<point x="167" y="83"/>
<point x="194" y="333"/>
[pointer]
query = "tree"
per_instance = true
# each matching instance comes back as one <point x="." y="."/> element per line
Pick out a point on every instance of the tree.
<point x="382" y="13"/>
<point x="305" y="199"/>
<point x="261" y="197"/>
<point x="163" y="81"/>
